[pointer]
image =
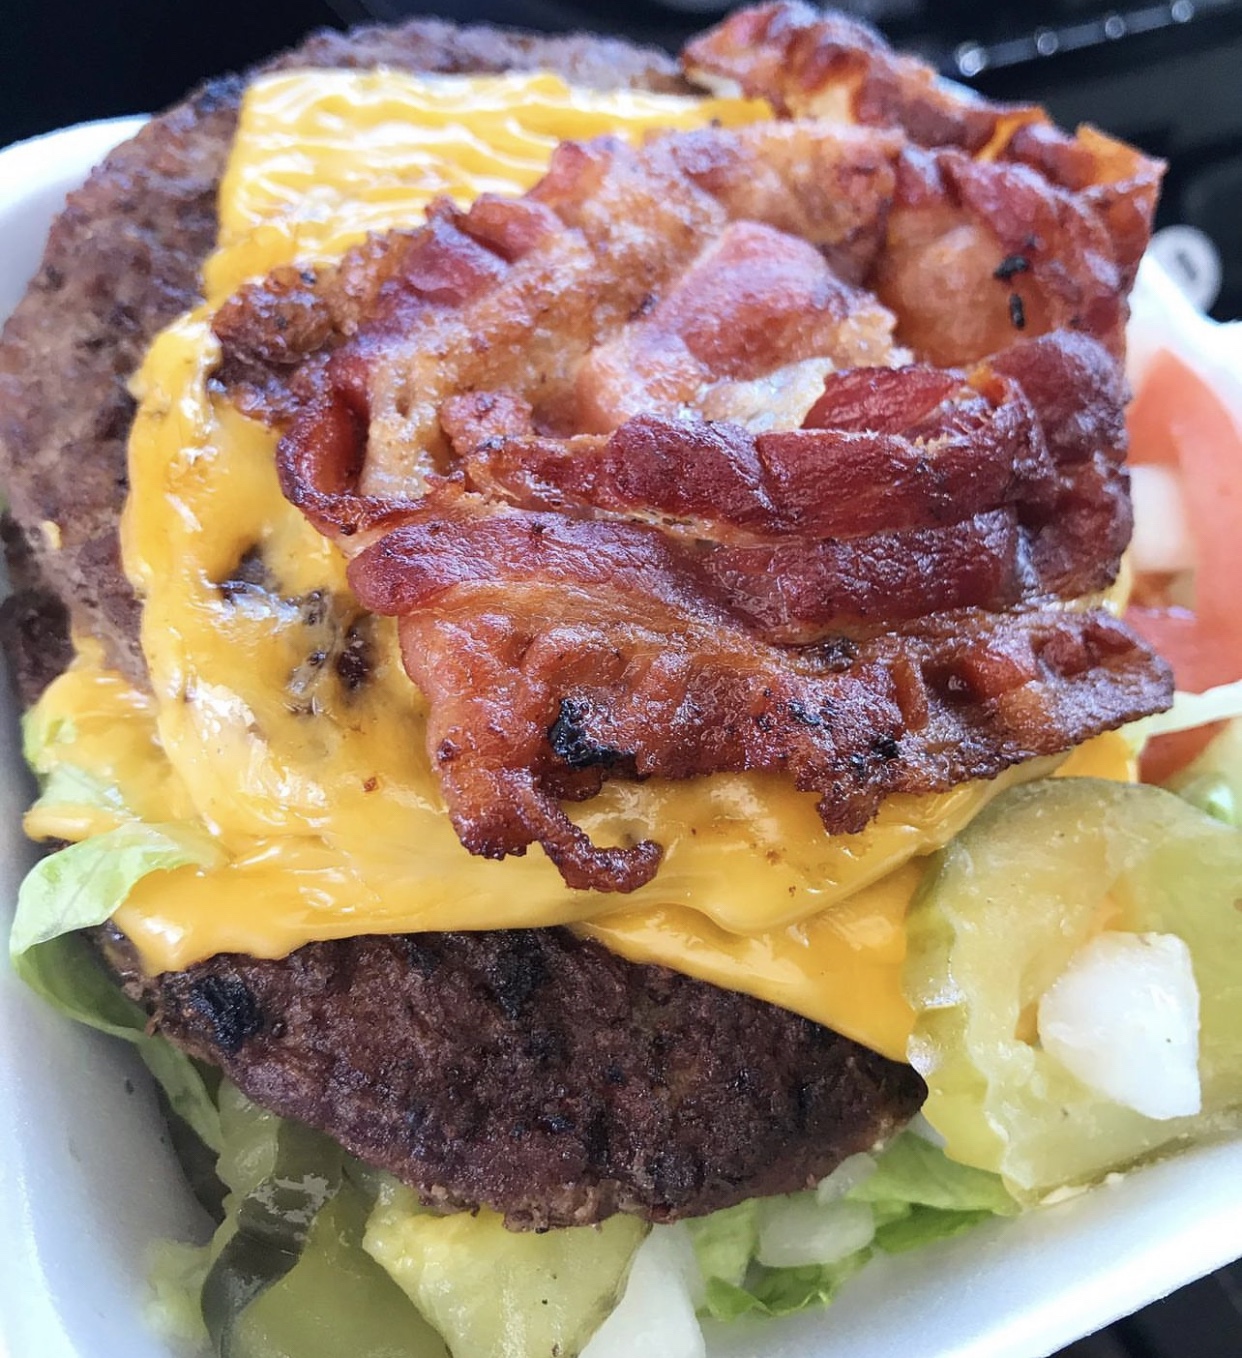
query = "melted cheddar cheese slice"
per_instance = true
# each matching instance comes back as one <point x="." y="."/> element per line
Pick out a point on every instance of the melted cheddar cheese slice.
<point x="282" y="722"/>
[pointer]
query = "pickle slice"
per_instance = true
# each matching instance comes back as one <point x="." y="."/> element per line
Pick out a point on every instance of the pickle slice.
<point x="494" y="1293"/>
<point x="1044" y="869"/>
<point x="336" y="1300"/>
<point x="288" y="1276"/>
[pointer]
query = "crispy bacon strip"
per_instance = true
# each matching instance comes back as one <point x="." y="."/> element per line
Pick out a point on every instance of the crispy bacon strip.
<point x="598" y="245"/>
<point x="554" y="652"/>
<point x="881" y="448"/>
<point x="809" y="64"/>
<point x="462" y="303"/>
<point x="677" y="597"/>
<point x="650" y="261"/>
<point x="643" y="464"/>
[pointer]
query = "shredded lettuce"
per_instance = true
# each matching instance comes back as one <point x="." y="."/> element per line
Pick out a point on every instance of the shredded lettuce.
<point x="922" y="1225"/>
<point x="917" y="1195"/>
<point x="725" y="1242"/>
<point x="82" y="885"/>
<point x="40" y="732"/>
<point x="914" y="1173"/>
<point x="64" y="972"/>
<point x="780" y="1291"/>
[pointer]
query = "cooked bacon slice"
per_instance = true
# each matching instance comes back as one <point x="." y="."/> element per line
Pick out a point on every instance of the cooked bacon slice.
<point x="719" y="453"/>
<point x="881" y="448"/>
<point x="518" y="293"/>
<point x="987" y="173"/>
<point x="681" y="598"/>
<point x="809" y="64"/>
<point x="784" y="306"/>
<point x="721" y="481"/>
<point x="647" y="260"/>
<point x="554" y="652"/>
<point x="922" y="457"/>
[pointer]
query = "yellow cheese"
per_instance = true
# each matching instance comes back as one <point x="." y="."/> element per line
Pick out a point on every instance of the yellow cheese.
<point x="841" y="967"/>
<point x="320" y="795"/>
<point x="322" y="158"/>
<point x="92" y="720"/>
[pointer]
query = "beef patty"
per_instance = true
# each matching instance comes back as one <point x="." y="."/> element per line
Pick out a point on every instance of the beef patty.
<point x="526" y="1070"/>
<point x="536" y="1072"/>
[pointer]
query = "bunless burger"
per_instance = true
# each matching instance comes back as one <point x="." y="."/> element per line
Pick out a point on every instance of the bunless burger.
<point x="536" y="604"/>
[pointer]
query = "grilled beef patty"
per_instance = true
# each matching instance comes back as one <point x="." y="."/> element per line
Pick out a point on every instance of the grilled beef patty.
<point x="536" y="1072"/>
<point x="526" y="1070"/>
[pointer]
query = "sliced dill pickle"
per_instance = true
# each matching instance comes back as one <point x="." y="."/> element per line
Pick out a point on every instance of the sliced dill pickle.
<point x="248" y="1141"/>
<point x="1044" y="869"/>
<point x="289" y="1277"/>
<point x="268" y="1226"/>
<point x="336" y="1300"/>
<point x="494" y="1293"/>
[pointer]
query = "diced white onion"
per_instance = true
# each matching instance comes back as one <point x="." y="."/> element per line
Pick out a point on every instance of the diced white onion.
<point x="1124" y="1018"/>
<point x="801" y="1230"/>
<point x="1162" y="541"/>
<point x="655" y="1317"/>
<point x="848" y="1174"/>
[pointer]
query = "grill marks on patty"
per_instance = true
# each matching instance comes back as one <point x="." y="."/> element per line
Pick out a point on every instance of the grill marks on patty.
<point x="537" y="1073"/>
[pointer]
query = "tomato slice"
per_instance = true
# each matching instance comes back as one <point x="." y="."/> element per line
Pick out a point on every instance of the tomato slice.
<point x="1177" y="418"/>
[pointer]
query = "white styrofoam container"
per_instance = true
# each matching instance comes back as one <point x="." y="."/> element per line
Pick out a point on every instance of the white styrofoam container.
<point x="87" y="1180"/>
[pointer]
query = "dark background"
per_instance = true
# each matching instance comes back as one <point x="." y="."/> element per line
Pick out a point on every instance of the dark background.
<point x="1165" y="75"/>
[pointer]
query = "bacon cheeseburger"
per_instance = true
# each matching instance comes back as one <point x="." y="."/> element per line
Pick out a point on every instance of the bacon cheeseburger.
<point x="522" y="560"/>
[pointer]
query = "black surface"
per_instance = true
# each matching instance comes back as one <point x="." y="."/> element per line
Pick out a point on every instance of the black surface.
<point x="1170" y="78"/>
<point x="1203" y="1320"/>
<point x="63" y="63"/>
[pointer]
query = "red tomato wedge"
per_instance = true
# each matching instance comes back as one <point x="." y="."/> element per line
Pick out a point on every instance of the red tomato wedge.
<point x="1178" y="420"/>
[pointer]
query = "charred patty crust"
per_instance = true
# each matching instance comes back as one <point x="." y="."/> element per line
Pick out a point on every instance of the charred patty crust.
<point x="526" y="1070"/>
<point x="537" y="1072"/>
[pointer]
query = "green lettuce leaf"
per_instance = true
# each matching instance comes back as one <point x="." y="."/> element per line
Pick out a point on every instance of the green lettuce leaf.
<point x="916" y="1195"/>
<point x="780" y="1291"/>
<point x="65" y="972"/>
<point x="724" y="1242"/>
<point x="921" y="1225"/>
<point x="40" y="732"/>
<point x="68" y="785"/>
<point x="914" y="1172"/>
<point x="919" y="1195"/>
<point x="82" y="885"/>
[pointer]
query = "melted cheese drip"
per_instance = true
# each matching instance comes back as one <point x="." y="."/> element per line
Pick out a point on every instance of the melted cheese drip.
<point x="320" y="795"/>
<point x="322" y="158"/>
